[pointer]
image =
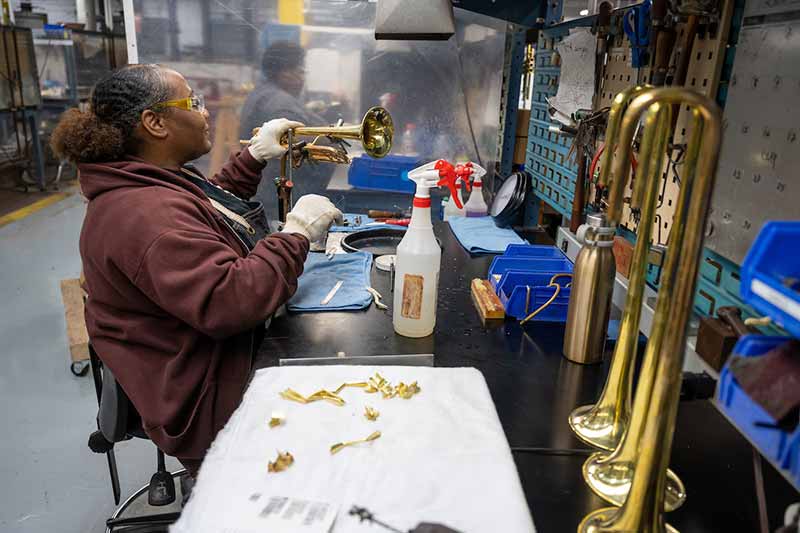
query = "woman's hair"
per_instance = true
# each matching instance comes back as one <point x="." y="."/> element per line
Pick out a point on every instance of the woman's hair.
<point x="105" y="131"/>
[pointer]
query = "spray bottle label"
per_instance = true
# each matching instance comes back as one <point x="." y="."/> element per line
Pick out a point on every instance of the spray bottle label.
<point x="412" y="296"/>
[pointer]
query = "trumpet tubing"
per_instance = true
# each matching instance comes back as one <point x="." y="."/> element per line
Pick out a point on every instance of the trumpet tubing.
<point x="602" y="424"/>
<point x="637" y="469"/>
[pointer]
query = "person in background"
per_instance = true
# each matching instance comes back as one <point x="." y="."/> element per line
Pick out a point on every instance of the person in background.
<point x="278" y="95"/>
<point x="180" y="273"/>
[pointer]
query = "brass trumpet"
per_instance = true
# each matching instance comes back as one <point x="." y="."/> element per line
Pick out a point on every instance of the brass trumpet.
<point x="375" y="133"/>
<point x="635" y="475"/>
<point x="602" y="424"/>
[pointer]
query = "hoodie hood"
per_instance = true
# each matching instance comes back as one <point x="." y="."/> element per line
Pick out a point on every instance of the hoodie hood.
<point x="98" y="178"/>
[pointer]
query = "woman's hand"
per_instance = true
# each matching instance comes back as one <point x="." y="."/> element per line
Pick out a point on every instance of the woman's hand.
<point x="266" y="143"/>
<point x="311" y="216"/>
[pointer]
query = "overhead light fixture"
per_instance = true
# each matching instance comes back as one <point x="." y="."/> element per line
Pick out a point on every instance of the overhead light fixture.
<point x="584" y="12"/>
<point x="414" y="20"/>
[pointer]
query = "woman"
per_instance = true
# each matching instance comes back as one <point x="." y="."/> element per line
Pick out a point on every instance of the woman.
<point x="179" y="279"/>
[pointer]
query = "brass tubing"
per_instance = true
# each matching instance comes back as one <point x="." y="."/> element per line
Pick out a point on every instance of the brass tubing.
<point x="618" y="107"/>
<point x="609" y="476"/>
<point x="645" y="449"/>
<point x="603" y="423"/>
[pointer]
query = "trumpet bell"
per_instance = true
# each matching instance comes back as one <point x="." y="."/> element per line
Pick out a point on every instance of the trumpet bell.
<point x="607" y="520"/>
<point x="612" y="481"/>
<point x="601" y="427"/>
<point x="377" y="131"/>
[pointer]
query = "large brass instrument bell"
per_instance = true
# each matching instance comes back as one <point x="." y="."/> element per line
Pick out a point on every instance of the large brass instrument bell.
<point x="635" y="475"/>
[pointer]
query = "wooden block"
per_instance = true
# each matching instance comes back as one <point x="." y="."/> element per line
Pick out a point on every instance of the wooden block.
<point x="72" y="295"/>
<point x="623" y="255"/>
<point x="486" y="301"/>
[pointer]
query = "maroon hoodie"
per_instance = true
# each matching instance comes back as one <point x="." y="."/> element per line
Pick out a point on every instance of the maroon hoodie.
<point x="175" y="301"/>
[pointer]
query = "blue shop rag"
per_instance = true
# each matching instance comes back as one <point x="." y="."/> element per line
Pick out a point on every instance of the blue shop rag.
<point x="479" y="235"/>
<point x="320" y="274"/>
<point x="351" y="227"/>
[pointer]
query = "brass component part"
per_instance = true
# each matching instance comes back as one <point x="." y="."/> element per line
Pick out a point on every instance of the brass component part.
<point x="292" y="395"/>
<point x="276" y="420"/>
<point x="339" y="446"/>
<point x="281" y="463"/>
<point x="371" y="414"/>
<point x="635" y="475"/>
<point x="380" y="384"/>
<point x="375" y="132"/>
<point x="360" y="384"/>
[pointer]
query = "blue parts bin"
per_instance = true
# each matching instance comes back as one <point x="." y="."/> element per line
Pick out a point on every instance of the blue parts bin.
<point x="537" y="258"/>
<point x="779" y="446"/>
<point x="771" y="274"/>
<point x="388" y="174"/>
<point x="523" y="292"/>
<point x="521" y="277"/>
<point x="770" y="282"/>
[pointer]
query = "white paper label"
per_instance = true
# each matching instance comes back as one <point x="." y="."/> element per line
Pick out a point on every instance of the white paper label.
<point x="785" y="304"/>
<point x="280" y="514"/>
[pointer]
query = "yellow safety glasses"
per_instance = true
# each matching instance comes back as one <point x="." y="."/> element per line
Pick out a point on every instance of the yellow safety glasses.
<point x="195" y="102"/>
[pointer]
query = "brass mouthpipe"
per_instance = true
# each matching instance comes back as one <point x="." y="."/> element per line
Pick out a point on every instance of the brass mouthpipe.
<point x="640" y="461"/>
<point x="603" y="424"/>
<point x="618" y="107"/>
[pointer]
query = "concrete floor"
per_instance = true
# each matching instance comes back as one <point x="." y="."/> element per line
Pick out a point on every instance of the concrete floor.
<point x="51" y="481"/>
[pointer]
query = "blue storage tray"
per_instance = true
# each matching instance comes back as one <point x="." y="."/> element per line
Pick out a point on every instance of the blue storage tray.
<point x="388" y="174"/>
<point x="781" y="447"/>
<point x="502" y="264"/>
<point x="774" y="258"/>
<point x="513" y="293"/>
<point x="534" y="250"/>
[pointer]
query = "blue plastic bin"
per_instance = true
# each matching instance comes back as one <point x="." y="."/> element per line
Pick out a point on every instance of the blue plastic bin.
<point x="778" y="445"/>
<point x="534" y="250"/>
<point x="513" y="293"/>
<point x="502" y="264"/>
<point x="388" y="174"/>
<point x="767" y="273"/>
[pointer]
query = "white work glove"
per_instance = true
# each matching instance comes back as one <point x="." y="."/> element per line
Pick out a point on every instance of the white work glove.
<point x="266" y="143"/>
<point x="311" y="216"/>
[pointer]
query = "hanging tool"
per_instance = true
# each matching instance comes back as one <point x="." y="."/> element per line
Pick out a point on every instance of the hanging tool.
<point x="635" y="24"/>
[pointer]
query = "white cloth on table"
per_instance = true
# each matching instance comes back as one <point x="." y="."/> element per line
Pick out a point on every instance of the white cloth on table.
<point x="442" y="457"/>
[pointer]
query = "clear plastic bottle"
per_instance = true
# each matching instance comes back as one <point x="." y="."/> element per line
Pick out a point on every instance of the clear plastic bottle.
<point x="476" y="204"/>
<point x="416" y="281"/>
<point x="451" y="209"/>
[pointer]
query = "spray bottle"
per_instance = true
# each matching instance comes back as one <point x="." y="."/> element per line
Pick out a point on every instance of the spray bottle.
<point x="416" y="282"/>
<point x="476" y="205"/>
<point x="455" y="204"/>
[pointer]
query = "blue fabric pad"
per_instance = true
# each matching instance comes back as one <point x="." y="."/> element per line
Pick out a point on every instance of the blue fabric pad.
<point x="320" y="274"/>
<point x="479" y="235"/>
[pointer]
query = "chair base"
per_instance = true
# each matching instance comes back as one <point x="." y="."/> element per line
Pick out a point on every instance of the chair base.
<point x="115" y="523"/>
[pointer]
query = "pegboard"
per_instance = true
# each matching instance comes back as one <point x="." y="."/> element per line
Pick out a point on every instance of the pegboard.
<point x="703" y="76"/>
<point x="756" y="179"/>
<point x="548" y="154"/>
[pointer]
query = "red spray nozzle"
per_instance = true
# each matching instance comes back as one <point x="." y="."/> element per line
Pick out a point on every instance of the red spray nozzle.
<point x="464" y="172"/>
<point x="449" y="176"/>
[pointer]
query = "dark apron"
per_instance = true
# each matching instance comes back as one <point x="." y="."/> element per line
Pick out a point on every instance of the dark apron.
<point x="252" y="212"/>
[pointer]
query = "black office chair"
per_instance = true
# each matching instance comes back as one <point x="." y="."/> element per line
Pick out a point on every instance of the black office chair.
<point x="117" y="421"/>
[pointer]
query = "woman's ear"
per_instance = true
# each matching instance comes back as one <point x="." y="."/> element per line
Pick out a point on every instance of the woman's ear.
<point x="153" y="124"/>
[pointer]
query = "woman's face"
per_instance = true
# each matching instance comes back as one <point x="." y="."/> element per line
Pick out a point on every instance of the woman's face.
<point x="189" y="131"/>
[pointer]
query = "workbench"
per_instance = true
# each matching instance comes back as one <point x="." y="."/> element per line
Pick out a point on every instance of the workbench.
<point x="534" y="389"/>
